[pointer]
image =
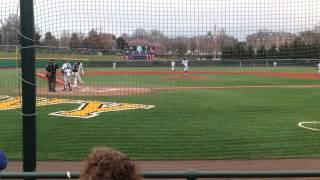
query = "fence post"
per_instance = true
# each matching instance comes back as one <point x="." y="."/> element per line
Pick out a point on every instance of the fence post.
<point x="28" y="85"/>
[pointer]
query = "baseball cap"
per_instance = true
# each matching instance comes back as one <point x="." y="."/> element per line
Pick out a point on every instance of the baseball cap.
<point x="3" y="160"/>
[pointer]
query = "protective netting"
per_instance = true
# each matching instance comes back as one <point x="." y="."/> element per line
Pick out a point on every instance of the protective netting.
<point x="10" y="128"/>
<point x="163" y="80"/>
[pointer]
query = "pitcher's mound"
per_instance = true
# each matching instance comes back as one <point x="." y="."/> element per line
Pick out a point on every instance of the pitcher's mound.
<point x="95" y="91"/>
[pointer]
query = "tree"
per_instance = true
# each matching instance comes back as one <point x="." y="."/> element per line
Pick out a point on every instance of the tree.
<point x="239" y="51"/>
<point x="64" y="39"/>
<point x="262" y="53"/>
<point x="121" y="43"/>
<point x="107" y="41"/>
<point x="92" y="41"/>
<point x="50" y="40"/>
<point x="180" y="45"/>
<point x="298" y="48"/>
<point x="159" y="48"/>
<point x="139" y="34"/>
<point x="227" y="52"/>
<point x="8" y="30"/>
<point x="37" y="37"/>
<point x="273" y="52"/>
<point x="284" y="51"/>
<point x="250" y="53"/>
<point x="156" y="35"/>
<point x="74" y="41"/>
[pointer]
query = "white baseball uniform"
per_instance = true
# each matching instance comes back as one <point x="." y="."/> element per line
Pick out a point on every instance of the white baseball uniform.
<point x="185" y="64"/>
<point x="67" y="75"/>
<point x="77" y="68"/>
<point x="172" y="65"/>
<point x="318" y="67"/>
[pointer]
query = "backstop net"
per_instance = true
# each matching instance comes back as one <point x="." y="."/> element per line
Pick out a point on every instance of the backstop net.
<point x="169" y="80"/>
<point x="10" y="129"/>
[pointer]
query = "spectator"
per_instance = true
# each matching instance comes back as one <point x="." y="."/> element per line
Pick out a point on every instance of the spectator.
<point x="3" y="160"/>
<point x="108" y="164"/>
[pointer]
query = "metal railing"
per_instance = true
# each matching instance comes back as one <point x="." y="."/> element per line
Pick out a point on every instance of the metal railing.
<point x="189" y="175"/>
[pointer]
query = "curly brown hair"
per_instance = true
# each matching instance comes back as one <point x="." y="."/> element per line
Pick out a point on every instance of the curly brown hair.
<point x="108" y="164"/>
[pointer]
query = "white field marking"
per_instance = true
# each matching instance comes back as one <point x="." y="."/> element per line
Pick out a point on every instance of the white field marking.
<point x="4" y="97"/>
<point x="301" y="124"/>
<point x="85" y="89"/>
<point x="237" y="87"/>
<point x="99" y="90"/>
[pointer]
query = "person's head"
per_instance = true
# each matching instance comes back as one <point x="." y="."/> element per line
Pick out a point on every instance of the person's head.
<point x="3" y="160"/>
<point x="106" y="163"/>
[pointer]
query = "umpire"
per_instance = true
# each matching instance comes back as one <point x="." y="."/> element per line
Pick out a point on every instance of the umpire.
<point x="51" y="69"/>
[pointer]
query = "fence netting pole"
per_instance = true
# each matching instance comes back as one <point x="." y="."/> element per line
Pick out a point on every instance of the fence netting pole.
<point x="28" y="85"/>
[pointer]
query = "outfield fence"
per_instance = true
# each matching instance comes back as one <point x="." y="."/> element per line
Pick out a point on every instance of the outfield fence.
<point x="41" y="63"/>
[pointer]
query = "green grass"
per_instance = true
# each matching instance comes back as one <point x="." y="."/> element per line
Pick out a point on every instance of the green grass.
<point x="185" y="124"/>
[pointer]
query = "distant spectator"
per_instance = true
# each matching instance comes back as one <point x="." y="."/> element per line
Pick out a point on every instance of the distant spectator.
<point x="3" y="160"/>
<point x="108" y="164"/>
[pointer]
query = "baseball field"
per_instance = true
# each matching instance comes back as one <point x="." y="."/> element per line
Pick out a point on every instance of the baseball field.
<point x="153" y="113"/>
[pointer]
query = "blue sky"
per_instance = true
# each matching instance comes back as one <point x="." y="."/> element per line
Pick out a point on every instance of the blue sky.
<point x="173" y="17"/>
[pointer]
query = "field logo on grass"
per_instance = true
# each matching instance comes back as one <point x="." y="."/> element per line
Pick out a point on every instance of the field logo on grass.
<point x="91" y="109"/>
<point x="87" y="109"/>
<point x="311" y="125"/>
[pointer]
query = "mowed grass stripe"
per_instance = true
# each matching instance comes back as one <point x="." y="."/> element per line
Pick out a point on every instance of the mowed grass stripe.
<point x="185" y="124"/>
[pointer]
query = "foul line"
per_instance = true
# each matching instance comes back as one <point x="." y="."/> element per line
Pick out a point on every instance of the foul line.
<point x="238" y="87"/>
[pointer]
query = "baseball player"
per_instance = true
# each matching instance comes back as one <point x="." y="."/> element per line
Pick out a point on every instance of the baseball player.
<point x="76" y="69"/>
<point x="172" y="65"/>
<point x="51" y="69"/>
<point x="318" y="67"/>
<point x="67" y="75"/>
<point x="185" y="64"/>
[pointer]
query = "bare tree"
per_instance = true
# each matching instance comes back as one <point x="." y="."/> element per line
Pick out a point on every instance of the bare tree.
<point x="180" y="45"/>
<point x="107" y="41"/>
<point x="92" y="41"/>
<point x="64" y="39"/>
<point x="74" y="41"/>
<point x="8" y="30"/>
<point x="139" y="34"/>
<point x="137" y="42"/>
<point x="50" y="40"/>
